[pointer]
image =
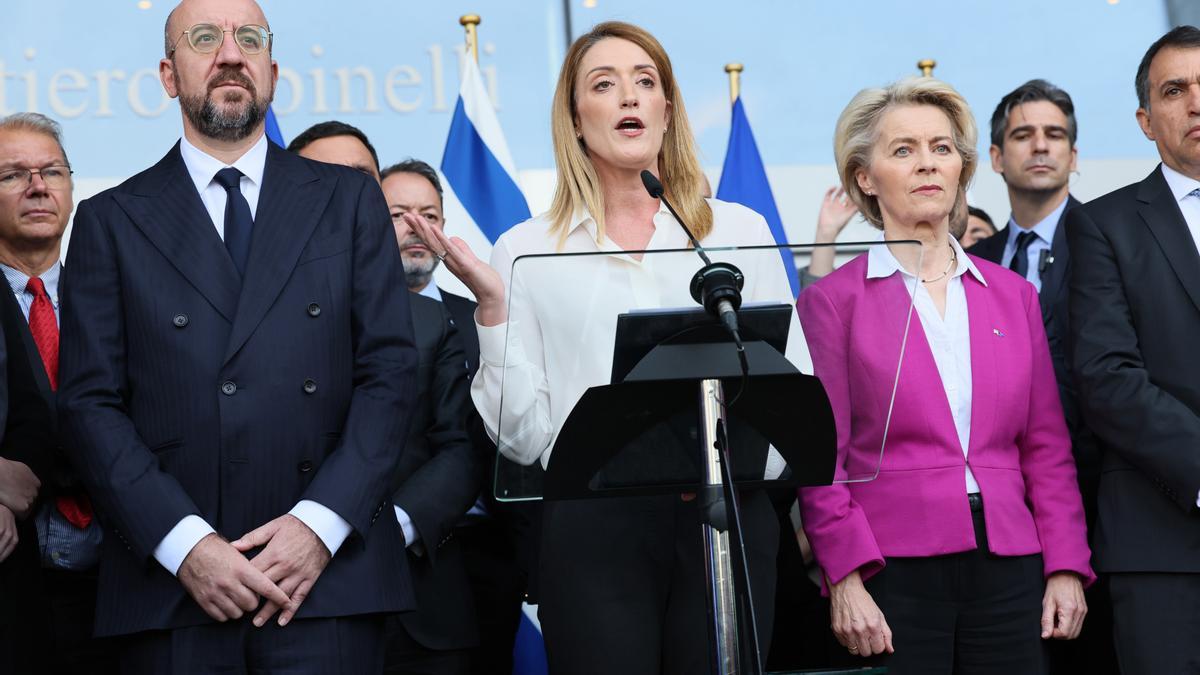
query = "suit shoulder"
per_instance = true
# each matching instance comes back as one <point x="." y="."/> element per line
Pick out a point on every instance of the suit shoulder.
<point x="1117" y="200"/>
<point x="453" y="300"/>
<point x="844" y="282"/>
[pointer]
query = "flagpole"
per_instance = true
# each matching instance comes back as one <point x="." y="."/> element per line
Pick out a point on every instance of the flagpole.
<point x="735" y="80"/>
<point x="471" y="22"/>
<point x="926" y="66"/>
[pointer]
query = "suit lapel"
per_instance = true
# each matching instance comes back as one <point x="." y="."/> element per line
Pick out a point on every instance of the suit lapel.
<point x="981" y="327"/>
<point x="1054" y="283"/>
<point x="290" y="205"/>
<point x="1162" y="215"/>
<point x="166" y="208"/>
<point x="919" y="369"/>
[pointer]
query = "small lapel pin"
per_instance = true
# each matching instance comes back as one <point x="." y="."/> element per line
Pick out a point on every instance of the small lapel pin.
<point x="998" y="332"/>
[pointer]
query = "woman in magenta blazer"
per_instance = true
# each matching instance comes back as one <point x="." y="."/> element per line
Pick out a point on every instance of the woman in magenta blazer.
<point x="969" y="547"/>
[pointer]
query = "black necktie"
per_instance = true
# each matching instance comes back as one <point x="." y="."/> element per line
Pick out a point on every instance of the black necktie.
<point x="1020" y="261"/>
<point x="238" y="221"/>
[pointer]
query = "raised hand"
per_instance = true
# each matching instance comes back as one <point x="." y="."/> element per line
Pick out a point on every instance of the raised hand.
<point x="293" y="558"/>
<point x="485" y="283"/>
<point x="223" y="582"/>
<point x="836" y="211"/>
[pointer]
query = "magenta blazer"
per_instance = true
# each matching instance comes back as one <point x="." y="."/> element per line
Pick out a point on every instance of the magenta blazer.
<point x="1020" y="452"/>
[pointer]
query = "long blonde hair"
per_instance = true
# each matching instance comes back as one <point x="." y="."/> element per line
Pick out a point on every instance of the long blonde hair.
<point x="578" y="185"/>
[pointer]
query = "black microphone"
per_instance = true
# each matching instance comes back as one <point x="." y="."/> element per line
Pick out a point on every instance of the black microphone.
<point x="717" y="286"/>
<point x="1045" y="260"/>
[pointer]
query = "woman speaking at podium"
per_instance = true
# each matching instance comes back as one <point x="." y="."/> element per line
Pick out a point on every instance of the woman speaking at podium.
<point x="621" y="584"/>
<point x="969" y="547"/>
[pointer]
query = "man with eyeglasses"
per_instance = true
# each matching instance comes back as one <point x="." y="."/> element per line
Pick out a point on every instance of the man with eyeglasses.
<point x="43" y="620"/>
<point x="237" y="383"/>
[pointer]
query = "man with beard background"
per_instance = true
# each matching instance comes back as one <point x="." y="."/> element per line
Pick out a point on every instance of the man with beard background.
<point x="497" y="539"/>
<point x="235" y="365"/>
<point x="1033" y="149"/>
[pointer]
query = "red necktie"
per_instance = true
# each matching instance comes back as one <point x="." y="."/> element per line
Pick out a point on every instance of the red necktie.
<point x="76" y="509"/>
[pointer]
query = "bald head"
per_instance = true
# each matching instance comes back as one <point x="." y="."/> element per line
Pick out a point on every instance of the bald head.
<point x="191" y="12"/>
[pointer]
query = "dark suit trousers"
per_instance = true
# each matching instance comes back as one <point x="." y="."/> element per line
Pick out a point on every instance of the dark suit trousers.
<point x="71" y="601"/>
<point x="622" y="584"/>
<point x="498" y="585"/>
<point x="966" y="613"/>
<point x="1156" y="622"/>
<point x="350" y="645"/>
<point x="406" y="656"/>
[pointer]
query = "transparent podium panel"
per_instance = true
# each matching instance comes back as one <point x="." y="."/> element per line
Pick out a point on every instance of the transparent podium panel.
<point x="606" y="353"/>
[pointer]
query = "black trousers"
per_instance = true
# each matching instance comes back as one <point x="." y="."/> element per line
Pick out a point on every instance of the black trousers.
<point x="498" y="586"/>
<point x="71" y="604"/>
<point x="405" y="656"/>
<point x="340" y="646"/>
<point x="623" y="585"/>
<point x="1156" y="622"/>
<point x="970" y="613"/>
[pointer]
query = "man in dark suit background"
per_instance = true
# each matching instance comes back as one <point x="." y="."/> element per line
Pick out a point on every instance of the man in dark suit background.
<point x="67" y="535"/>
<point x="498" y="539"/>
<point x="1033" y="132"/>
<point x="441" y="472"/>
<point x="235" y="363"/>
<point x="1134" y="318"/>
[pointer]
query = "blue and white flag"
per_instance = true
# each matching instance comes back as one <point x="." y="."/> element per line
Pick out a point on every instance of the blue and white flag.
<point x="273" y="133"/>
<point x="744" y="181"/>
<point x="476" y="161"/>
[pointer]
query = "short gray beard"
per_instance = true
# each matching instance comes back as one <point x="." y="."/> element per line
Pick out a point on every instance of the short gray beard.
<point x="418" y="274"/>
<point x="211" y="121"/>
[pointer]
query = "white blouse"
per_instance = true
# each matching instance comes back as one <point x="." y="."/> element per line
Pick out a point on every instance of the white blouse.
<point x="563" y="314"/>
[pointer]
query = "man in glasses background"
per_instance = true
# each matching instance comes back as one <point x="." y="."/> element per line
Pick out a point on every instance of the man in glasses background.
<point x="237" y="382"/>
<point x="48" y="579"/>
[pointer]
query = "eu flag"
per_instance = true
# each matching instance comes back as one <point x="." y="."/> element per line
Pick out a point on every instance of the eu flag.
<point x="744" y="181"/>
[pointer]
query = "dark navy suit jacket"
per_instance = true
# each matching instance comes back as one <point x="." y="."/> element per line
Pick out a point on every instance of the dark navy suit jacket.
<point x="186" y="389"/>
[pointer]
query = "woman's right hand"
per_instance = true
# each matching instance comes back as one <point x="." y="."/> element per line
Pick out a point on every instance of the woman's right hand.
<point x="857" y="621"/>
<point x="483" y="281"/>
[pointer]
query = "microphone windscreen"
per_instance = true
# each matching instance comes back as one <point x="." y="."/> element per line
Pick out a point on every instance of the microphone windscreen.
<point x="653" y="185"/>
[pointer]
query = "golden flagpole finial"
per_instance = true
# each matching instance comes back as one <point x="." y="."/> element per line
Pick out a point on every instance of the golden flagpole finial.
<point x="471" y="22"/>
<point x="735" y="80"/>
<point x="927" y="66"/>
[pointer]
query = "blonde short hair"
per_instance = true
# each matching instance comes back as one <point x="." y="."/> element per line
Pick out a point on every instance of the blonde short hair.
<point x="858" y="131"/>
<point x="578" y="185"/>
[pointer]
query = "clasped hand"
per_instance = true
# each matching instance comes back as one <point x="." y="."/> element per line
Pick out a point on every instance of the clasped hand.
<point x="226" y="584"/>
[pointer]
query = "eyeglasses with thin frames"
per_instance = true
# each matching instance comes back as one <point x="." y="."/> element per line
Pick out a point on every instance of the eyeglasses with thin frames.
<point x="56" y="177"/>
<point x="206" y="38"/>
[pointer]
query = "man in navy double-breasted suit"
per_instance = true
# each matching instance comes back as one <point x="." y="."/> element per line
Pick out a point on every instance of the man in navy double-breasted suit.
<point x="237" y="373"/>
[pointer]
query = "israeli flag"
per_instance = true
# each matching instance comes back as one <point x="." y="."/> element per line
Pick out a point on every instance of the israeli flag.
<point x="744" y="181"/>
<point x="476" y="162"/>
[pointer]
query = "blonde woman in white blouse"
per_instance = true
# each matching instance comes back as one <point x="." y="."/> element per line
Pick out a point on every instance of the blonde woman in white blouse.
<point x="621" y="580"/>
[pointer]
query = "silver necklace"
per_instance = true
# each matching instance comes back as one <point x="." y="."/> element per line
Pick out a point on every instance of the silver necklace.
<point x="953" y="259"/>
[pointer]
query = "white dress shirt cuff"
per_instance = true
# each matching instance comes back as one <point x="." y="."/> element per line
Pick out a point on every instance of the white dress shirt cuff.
<point x="411" y="536"/>
<point x="329" y="527"/>
<point x="180" y="541"/>
<point x="500" y="345"/>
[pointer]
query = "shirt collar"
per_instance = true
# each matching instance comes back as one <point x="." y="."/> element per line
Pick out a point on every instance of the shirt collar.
<point x="18" y="280"/>
<point x="583" y="218"/>
<point x="431" y="291"/>
<point x="1045" y="228"/>
<point x="203" y="167"/>
<point x="881" y="263"/>
<point x="1181" y="185"/>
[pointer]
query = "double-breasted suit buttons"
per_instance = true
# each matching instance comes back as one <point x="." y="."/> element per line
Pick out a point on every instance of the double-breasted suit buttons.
<point x="228" y="388"/>
<point x="305" y="466"/>
<point x="180" y="320"/>
<point x="314" y="310"/>
<point x="310" y="387"/>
